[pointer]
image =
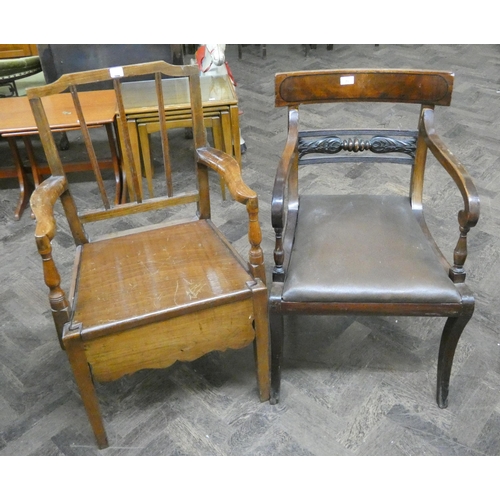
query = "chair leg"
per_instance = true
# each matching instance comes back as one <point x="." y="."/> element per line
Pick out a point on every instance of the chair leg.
<point x="453" y="328"/>
<point x="261" y="341"/>
<point x="83" y="378"/>
<point x="276" y="323"/>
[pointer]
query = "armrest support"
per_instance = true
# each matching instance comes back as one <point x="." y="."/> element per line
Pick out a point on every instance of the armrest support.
<point x="456" y="170"/>
<point x="468" y="217"/>
<point x="285" y="192"/>
<point x="226" y="166"/>
<point x="283" y="172"/>
<point x="42" y="203"/>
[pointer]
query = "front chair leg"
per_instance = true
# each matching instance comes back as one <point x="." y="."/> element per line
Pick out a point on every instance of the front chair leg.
<point x="449" y="340"/>
<point x="83" y="378"/>
<point x="261" y="341"/>
<point x="276" y="323"/>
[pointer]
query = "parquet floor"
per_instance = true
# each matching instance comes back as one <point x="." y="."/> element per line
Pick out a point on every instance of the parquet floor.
<point x="351" y="386"/>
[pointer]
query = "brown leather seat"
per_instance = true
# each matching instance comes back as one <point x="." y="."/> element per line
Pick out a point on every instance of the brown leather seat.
<point x="341" y="253"/>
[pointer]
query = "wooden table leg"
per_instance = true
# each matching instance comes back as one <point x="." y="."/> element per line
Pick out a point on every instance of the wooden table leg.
<point x="25" y="186"/>
<point x="227" y="134"/>
<point x="220" y="144"/>
<point x="146" y="155"/>
<point x="235" y="130"/>
<point x="37" y="169"/>
<point x="115" y="160"/>
<point x="136" y="167"/>
<point x="37" y="176"/>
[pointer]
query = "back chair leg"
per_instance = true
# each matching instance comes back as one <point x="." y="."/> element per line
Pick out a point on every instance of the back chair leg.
<point x="277" y="338"/>
<point x="452" y="331"/>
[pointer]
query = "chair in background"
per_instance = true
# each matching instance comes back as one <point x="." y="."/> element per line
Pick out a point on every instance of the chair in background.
<point x="263" y="51"/>
<point x="308" y="48"/>
<point x="148" y="296"/>
<point x="15" y="69"/>
<point x="366" y="253"/>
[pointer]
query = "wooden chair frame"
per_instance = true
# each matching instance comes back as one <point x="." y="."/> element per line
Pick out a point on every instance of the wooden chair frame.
<point x="424" y="88"/>
<point x="132" y="333"/>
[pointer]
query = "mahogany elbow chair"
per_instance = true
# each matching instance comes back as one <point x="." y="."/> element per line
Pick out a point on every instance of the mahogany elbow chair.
<point x="366" y="253"/>
<point x="147" y="296"/>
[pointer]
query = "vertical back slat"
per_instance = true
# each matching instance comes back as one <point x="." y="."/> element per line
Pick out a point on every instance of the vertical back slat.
<point x="90" y="147"/>
<point x="164" y="134"/>
<point x="128" y="162"/>
<point x="56" y="168"/>
<point x="46" y="137"/>
<point x="199" y="132"/>
<point x="200" y="139"/>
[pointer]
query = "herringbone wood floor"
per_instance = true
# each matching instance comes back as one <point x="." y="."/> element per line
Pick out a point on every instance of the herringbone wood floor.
<point x="351" y="386"/>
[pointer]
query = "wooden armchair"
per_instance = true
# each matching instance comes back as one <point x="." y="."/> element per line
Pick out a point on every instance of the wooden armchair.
<point x="159" y="283"/>
<point x="368" y="253"/>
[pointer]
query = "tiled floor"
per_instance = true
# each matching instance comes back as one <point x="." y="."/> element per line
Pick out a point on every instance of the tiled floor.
<point x="351" y="387"/>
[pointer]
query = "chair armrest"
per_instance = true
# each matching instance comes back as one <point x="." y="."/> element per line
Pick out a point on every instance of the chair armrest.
<point x="285" y="197"/>
<point x="283" y="172"/>
<point x="42" y="203"/>
<point x="468" y="217"/>
<point x="456" y="170"/>
<point x="226" y="166"/>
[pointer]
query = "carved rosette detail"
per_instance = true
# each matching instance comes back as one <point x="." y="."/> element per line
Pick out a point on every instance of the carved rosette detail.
<point x="377" y="144"/>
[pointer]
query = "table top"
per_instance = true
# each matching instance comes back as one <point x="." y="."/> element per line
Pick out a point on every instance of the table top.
<point x="16" y="118"/>
<point x="99" y="106"/>
<point x="216" y="90"/>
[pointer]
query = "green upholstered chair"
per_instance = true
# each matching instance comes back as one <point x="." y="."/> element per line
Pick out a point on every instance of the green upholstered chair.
<point x="12" y="70"/>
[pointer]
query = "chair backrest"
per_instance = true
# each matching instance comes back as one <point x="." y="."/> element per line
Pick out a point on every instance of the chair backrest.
<point x="136" y="198"/>
<point x="409" y="86"/>
<point x="59" y="59"/>
<point x="425" y="89"/>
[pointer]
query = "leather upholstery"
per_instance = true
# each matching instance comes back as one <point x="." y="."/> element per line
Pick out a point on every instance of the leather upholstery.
<point x="391" y="262"/>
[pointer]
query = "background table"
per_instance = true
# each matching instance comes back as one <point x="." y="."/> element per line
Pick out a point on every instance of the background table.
<point x="220" y="110"/>
<point x="17" y="121"/>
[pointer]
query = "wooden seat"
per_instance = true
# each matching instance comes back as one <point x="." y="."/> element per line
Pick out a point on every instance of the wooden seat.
<point x="151" y="288"/>
<point x="366" y="252"/>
